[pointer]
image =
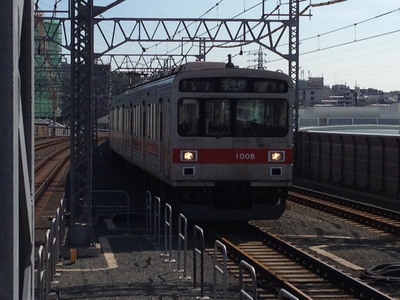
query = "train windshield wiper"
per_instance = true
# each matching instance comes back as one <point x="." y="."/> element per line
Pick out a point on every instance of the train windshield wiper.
<point x="253" y="130"/>
<point x="224" y="130"/>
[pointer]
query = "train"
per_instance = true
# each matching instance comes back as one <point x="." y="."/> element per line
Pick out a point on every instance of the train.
<point x="217" y="139"/>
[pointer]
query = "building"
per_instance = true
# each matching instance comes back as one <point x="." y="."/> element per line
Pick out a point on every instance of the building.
<point x="312" y="91"/>
<point x="345" y="95"/>
<point x="53" y="76"/>
<point x="47" y="68"/>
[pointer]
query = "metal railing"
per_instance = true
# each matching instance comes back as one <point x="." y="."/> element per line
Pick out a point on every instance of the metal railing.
<point x="198" y="237"/>
<point x="219" y="268"/>
<point x="222" y="270"/>
<point x="243" y="266"/>
<point x="49" y="254"/>
<point x="149" y="216"/>
<point x="285" y="295"/>
<point x="182" y="238"/>
<point x="157" y="222"/>
<point x="168" y="233"/>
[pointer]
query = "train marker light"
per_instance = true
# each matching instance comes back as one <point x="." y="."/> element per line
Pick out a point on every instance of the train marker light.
<point x="188" y="171"/>
<point x="188" y="155"/>
<point x="276" y="156"/>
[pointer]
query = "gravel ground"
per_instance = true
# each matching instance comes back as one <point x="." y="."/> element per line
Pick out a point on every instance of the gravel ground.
<point x="350" y="247"/>
<point x="142" y="271"/>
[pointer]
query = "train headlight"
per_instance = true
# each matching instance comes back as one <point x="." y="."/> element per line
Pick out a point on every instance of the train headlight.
<point x="276" y="156"/>
<point x="188" y="155"/>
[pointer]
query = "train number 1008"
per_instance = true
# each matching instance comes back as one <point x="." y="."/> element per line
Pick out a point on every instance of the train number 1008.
<point x="245" y="156"/>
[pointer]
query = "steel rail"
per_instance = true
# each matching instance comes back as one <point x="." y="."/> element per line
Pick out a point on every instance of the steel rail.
<point x="261" y="270"/>
<point x="48" y="158"/>
<point x="370" y="215"/>
<point x="46" y="144"/>
<point x="42" y="188"/>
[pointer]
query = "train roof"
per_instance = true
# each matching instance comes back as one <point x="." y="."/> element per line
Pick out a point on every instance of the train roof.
<point x="201" y="65"/>
<point x="190" y="66"/>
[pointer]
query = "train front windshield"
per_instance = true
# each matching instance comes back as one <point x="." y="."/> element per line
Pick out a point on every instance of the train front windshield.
<point x="233" y="117"/>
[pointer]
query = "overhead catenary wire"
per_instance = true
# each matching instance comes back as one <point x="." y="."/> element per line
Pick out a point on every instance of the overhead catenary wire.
<point x="279" y="4"/>
<point x="356" y="40"/>
<point x="351" y="25"/>
<point x="190" y="24"/>
<point x="216" y="6"/>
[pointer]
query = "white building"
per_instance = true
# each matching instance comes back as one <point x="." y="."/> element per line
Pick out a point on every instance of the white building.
<point x="312" y="91"/>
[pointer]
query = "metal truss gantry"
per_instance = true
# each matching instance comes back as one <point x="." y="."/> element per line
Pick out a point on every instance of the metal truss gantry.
<point x="207" y="34"/>
<point x="16" y="151"/>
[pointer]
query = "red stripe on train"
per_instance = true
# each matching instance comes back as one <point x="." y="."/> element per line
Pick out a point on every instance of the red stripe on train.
<point x="233" y="156"/>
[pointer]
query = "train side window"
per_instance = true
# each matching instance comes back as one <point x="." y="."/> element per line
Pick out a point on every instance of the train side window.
<point x="130" y="119"/>
<point x="188" y="117"/>
<point x="137" y="120"/>
<point x="120" y="118"/>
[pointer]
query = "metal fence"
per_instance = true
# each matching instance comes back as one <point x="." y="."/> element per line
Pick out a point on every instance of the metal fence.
<point x="363" y="162"/>
<point x="49" y="254"/>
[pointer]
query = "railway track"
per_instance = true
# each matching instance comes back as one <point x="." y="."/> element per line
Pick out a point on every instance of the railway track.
<point x="279" y="265"/>
<point x="50" y="170"/>
<point x="48" y="143"/>
<point x="51" y="166"/>
<point x="52" y="160"/>
<point x="368" y="215"/>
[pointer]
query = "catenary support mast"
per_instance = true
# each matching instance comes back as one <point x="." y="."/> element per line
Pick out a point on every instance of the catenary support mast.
<point x="81" y="122"/>
<point x="294" y="68"/>
<point x="82" y="13"/>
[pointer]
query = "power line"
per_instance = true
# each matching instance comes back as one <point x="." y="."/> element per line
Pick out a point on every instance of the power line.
<point x="352" y="42"/>
<point x="351" y="25"/>
<point x="205" y="13"/>
<point x="201" y="34"/>
<point x="349" y="42"/>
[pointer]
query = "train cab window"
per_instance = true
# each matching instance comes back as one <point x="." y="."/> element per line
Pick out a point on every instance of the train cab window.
<point x="188" y="117"/>
<point x="261" y="117"/>
<point x="217" y="117"/>
<point x="251" y="117"/>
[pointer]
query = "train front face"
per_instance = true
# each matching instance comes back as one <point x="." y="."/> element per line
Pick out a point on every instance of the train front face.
<point x="232" y="154"/>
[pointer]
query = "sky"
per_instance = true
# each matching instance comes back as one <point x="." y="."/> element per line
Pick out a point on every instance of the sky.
<point x="353" y="42"/>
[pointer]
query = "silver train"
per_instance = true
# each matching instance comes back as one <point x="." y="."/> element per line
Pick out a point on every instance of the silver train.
<point x="217" y="139"/>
